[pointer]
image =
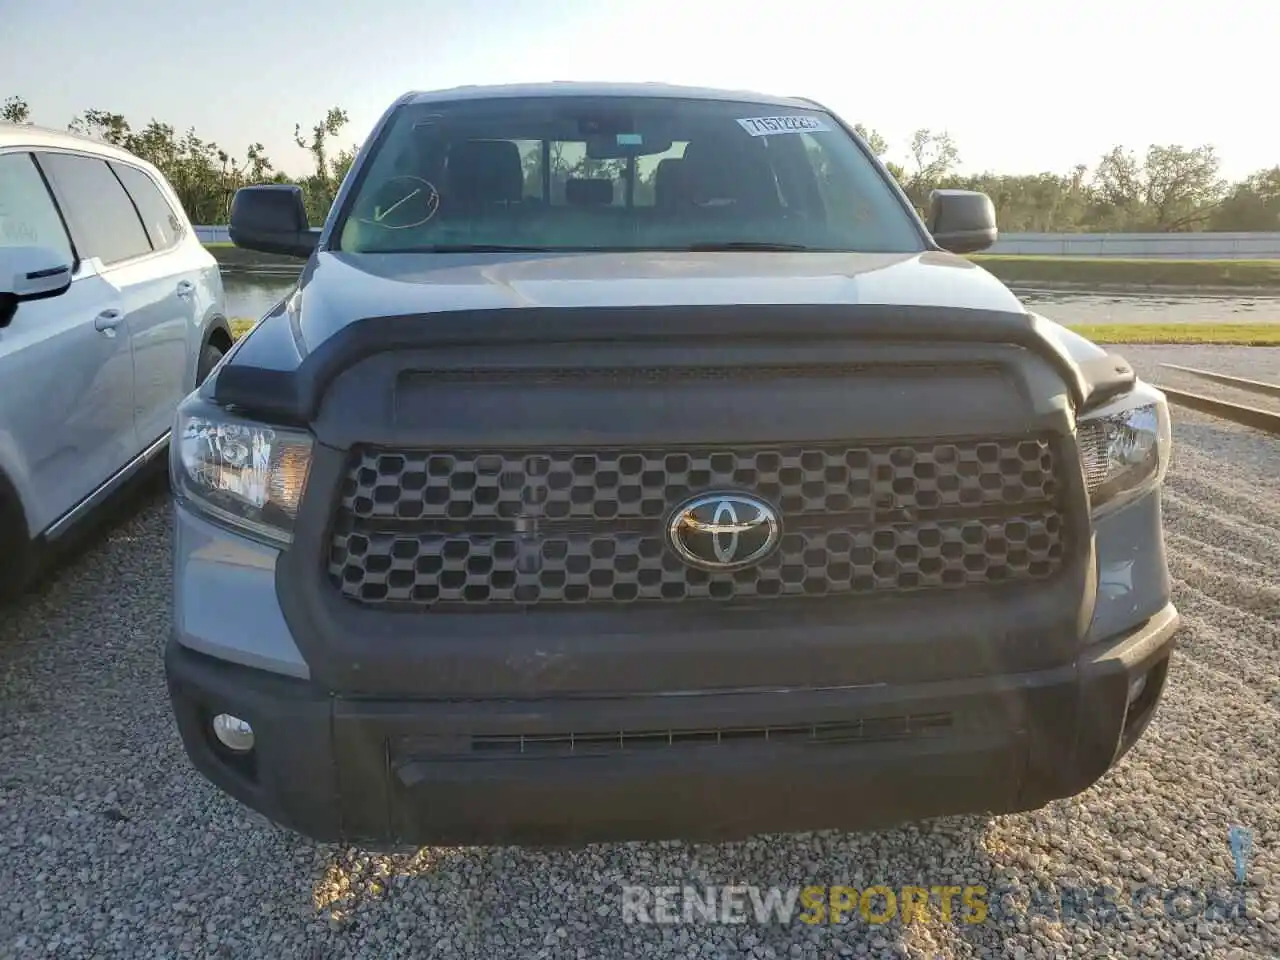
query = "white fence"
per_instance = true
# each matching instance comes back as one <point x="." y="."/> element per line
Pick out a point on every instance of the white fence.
<point x="1175" y="246"/>
<point x="213" y="234"/>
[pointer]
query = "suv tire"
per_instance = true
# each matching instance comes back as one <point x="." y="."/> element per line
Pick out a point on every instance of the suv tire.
<point x="209" y="358"/>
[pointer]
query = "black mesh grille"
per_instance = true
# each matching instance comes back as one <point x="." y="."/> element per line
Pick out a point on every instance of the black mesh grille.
<point x="646" y="483"/>
<point x="552" y="527"/>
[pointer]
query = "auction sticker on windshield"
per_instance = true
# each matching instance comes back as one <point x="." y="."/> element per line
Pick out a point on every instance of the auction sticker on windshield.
<point x="767" y="126"/>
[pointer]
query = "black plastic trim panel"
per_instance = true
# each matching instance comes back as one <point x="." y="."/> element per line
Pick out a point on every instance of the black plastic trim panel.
<point x="295" y="395"/>
<point x="388" y="771"/>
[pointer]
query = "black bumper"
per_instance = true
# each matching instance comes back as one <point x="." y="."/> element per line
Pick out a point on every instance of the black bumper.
<point x="388" y="773"/>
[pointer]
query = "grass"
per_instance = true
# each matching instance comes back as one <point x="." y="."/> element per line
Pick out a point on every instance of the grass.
<point x="229" y="255"/>
<point x="1098" y="272"/>
<point x="1229" y="334"/>
<point x="1107" y="271"/>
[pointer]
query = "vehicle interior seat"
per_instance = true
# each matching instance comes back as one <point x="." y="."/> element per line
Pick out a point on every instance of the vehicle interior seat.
<point x="483" y="173"/>
<point x="724" y="173"/>
<point x="666" y="187"/>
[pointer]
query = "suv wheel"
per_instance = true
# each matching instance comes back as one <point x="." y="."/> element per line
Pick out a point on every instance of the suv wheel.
<point x="209" y="358"/>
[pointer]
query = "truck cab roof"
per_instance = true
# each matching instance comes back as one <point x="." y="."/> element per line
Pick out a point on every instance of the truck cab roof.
<point x="577" y="88"/>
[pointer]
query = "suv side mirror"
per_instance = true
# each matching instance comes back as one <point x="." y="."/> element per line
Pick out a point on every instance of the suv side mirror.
<point x="272" y="219"/>
<point x="962" y="221"/>
<point x="30" y="273"/>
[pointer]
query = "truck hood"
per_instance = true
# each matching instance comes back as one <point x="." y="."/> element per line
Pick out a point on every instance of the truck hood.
<point x="339" y="288"/>
<point x="350" y="304"/>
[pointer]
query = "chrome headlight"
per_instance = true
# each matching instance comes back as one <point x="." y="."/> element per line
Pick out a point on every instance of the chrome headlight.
<point x="246" y="475"/>
<point x="1125" y="447"/>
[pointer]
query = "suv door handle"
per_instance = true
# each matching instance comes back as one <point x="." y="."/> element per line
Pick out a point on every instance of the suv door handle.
<point x="185" y="289"/>
<point x="107" y="321"/>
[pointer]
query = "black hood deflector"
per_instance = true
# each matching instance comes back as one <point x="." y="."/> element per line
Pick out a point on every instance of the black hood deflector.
<point x="293" y="395"/>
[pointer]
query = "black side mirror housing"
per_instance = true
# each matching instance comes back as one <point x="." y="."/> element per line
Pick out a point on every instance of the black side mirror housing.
<point x="272" y="218"/>
<point x="962" y="221"/>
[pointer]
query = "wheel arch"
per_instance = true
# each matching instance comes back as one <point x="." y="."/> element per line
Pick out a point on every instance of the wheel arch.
<point x="14" y="486"/>
<point x="218" y="334"/>
<point x="13" y="516"/>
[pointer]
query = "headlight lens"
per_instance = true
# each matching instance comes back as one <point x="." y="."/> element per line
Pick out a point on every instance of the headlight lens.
<point x="1125" y="447"/>
<point x="244" y="474"/>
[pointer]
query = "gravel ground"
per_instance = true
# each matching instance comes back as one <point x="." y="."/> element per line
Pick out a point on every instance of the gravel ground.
<point x="110" y="845"/>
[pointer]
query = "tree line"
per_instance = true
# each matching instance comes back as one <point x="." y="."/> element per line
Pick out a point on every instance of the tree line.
<point x="204" y="175"/>
<point x="1166" y="188"/>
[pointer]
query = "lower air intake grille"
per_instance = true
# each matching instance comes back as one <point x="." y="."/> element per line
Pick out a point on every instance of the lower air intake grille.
<point x="615" y="741"/>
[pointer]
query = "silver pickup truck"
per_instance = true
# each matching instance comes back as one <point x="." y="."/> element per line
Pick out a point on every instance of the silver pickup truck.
<point x="633" y="462"/>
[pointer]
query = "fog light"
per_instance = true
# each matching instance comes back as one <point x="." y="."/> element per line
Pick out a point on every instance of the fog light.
<point x="1135" y="691"/>
<point x="233" y="733"/>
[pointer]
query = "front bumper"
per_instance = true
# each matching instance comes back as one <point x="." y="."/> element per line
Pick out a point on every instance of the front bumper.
<point x="392" y="772"/>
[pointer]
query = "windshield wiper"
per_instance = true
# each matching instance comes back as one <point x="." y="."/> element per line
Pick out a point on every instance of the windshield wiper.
<point x="744" y="245"/>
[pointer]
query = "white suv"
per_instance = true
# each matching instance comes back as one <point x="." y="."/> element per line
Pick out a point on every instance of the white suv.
<point x="111" y="311"/>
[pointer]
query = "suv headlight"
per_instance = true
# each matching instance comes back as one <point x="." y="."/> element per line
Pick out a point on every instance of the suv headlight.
<point x="243" y="474"/>
<point x="1125" y="447"/>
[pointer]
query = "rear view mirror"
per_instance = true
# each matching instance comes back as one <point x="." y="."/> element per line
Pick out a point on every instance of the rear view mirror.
<point x="962" y="221"/>
<point x="30" y="273"/>
<point x="620" y="145"/>
<point x="272" y="219"/>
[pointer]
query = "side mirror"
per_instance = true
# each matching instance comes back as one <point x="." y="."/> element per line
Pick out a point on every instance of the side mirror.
<point x="272" y="219"/>
<point x="30" y="273"/>
<point x="962" y="221"/>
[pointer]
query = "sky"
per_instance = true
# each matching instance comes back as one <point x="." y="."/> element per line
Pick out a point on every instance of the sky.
<point x="1020" y="86"/>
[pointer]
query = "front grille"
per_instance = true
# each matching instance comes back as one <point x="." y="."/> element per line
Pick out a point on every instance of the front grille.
<point x="547" y="527"/>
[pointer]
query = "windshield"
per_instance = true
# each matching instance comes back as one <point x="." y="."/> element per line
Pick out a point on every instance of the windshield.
<point x="614" y="173"/>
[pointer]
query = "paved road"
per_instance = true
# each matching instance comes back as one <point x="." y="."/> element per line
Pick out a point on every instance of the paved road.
<point x="1079" y="308"/>
<point x="111" y="846"/>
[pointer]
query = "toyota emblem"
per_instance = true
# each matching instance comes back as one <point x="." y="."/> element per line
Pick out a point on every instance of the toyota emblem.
<point x="724" y="531"/>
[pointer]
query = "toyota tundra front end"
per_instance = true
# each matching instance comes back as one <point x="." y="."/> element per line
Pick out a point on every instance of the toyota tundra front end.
<point x="610" y="501"/>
